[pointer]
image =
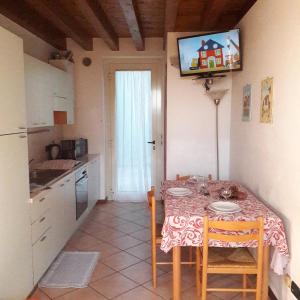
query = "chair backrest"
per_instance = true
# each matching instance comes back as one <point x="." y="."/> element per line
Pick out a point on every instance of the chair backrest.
<point x="186" y="177"/>
<point x="247" y="231"/>
<point x="152" y="207"/>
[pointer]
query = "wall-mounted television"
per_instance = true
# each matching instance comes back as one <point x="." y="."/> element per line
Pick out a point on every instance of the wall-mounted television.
<point x="209" y="53"/>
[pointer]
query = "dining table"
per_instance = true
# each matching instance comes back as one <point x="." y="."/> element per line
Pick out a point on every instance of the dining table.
<point x="183" y="225"/>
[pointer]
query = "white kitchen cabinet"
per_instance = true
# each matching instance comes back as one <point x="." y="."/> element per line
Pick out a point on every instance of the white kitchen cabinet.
<point x="63" y="210"/>
<point x="39" y="92"/>
<point x="43" y="254"/>
<point x="64" y="88"/>
<point x="94" y="182"/>
<point x="12" y="88"/>
<point x="69" y="200"/>
<point x="16" y="280"/>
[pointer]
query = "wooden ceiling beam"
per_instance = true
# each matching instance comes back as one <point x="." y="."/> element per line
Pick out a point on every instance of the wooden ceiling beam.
<point x="53" y="13"/>
<point x="212" y="13"/>
<point x="130" y="13"/>
<point x="95" y="15"/>
<point x="22" y="14"/>
<point x="171" y="10"/>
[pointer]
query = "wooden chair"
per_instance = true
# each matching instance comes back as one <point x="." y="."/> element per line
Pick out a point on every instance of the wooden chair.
<point x="232" y="260"/>
<point x="156" y="239"/>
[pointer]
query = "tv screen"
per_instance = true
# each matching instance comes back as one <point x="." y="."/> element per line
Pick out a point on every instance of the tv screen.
<point x="209" y="53"/>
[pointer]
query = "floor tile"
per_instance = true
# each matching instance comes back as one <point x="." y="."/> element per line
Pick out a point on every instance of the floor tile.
<point x="140" y="272"/>
<point x="83" y="294"/>
<point x="54" y="293"/>
<point x="142" y="251"/>
<point x="107" y="235"/>
<point x="165" y="284"/>
<point x="138" y="294"/>
<point x="82" y="241"/>
<point x="143" y="235"/>
<point x="40" y="295"/>
<point x="125" y="242"/>
<point x="104" y="248"/>
<point x="128" y="227"/>
<point x="143" y="221"/>
<point x="120" y="261"/>
<point x="101" y="271"/>
<point x="113" y="286"/>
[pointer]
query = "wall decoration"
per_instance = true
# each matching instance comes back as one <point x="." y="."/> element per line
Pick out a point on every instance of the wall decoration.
<point x="266" y="105"/>
<point x="246" y="115"/>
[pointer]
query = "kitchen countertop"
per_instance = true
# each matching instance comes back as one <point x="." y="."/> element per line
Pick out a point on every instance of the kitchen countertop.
<point x="84" y="160"/>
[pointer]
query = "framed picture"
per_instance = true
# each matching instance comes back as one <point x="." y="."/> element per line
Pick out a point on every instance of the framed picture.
<point x="246" y="114"/>
<point x="266" y="105"/>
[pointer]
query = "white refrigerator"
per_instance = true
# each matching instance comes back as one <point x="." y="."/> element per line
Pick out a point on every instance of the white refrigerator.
<point x="16" y="279"/>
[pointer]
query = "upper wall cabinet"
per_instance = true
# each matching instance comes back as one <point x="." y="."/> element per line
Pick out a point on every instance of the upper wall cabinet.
<point x="64" y="91"/>
<point x="39" y="92"/>
<point x="12" y="92"/>
<point x="48" y="89"/>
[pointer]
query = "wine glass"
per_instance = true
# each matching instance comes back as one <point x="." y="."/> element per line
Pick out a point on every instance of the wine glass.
<point x="226" y="193"/>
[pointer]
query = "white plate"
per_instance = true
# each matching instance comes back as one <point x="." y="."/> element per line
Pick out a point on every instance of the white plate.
<point x="179" y="192"/>
<point x="224" y="207"/>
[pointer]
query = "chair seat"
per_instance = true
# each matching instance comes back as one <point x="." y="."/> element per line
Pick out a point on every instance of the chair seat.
<point x="230" y="257"/>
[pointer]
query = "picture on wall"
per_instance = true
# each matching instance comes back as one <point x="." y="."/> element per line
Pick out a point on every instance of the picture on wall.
<point x="266" y="106"/>
<point x="246" y="115"/>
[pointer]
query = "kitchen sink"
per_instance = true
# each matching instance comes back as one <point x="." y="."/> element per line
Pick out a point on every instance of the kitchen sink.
<point x="42" y="177"/>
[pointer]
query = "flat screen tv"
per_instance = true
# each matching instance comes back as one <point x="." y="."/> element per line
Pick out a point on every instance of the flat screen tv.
<point x="206" y="54"/>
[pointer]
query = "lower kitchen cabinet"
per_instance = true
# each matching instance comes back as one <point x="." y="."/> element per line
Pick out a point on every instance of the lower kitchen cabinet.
<point x="53" y="215"/>
<point x="15" y="236"/>
<point x="43" y="254"/>
<point x="94" y="182"/>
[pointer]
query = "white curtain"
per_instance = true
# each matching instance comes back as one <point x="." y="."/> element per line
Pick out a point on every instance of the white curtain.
<point x="133" y="129"/>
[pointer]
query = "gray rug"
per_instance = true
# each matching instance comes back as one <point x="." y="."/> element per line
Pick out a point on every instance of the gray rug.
<point x="70" y="270"/>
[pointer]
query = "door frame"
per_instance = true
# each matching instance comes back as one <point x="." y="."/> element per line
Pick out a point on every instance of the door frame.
<point x="157" y="67"/>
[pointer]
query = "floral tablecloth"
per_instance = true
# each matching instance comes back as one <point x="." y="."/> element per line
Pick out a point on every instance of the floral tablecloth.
<point x="183" y="224"/>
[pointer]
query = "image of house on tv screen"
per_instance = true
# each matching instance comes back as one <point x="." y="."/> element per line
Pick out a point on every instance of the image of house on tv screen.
<point x="210" y="53"/>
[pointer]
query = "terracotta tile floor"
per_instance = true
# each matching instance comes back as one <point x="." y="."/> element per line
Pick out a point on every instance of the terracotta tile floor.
<point x="120" y="231"/>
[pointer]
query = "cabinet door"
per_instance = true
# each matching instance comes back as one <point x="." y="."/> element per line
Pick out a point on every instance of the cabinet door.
<point x="63" y="210"/>
<point x="39" y="92"/>
<point x="93" y="183"/>
<point x="46" y="101"/>
<point x="69" y="206"/>
<point x="15" y="223"/>
<point x="12" y="89"/>
<point x="33" y="90"/>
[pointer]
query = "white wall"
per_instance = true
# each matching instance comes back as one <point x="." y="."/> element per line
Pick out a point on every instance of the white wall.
<point x="191" y="142"/>
<point x="265" y="157"/>
<point x="89" y="90"/>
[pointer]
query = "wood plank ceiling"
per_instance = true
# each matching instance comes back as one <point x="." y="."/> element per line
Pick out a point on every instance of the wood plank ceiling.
<point x="82" y="20"/>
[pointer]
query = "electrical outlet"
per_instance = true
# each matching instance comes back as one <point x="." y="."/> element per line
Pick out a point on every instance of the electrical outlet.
<point x="288" y="280"/>
<point x="295" y="290"/>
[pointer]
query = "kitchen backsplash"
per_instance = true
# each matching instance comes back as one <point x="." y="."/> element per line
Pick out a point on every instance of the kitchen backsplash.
<point x="38" y="141"/>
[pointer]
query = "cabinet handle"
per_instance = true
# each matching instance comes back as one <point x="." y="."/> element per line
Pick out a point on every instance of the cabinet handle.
<point x="42" y="199"/>
<point x="22" y="127"/>
<point x="43" y="238"/>
<point x="36" y="123"/>
<point x="42" y="219"/>
<point x="62" y="185"/>
<point x="68" y="180"/>
<point x="22" y="136"/>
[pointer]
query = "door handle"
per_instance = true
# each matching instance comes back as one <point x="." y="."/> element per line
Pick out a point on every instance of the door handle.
<point x="153" y="142"/>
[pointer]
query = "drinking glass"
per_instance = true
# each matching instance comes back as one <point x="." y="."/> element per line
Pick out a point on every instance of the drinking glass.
<point x="226" y="193"/>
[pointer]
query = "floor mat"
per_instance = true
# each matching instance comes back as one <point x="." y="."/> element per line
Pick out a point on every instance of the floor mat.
<point x="70" y="270"/>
